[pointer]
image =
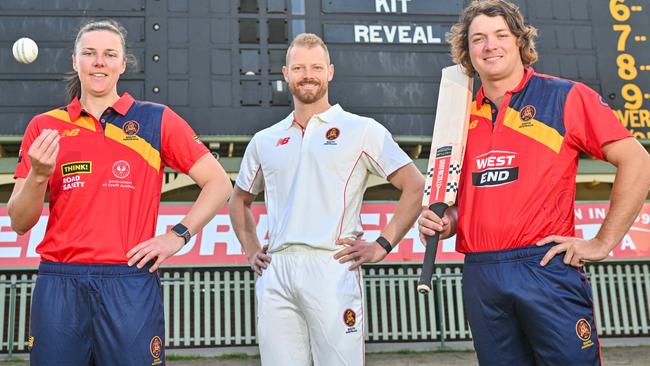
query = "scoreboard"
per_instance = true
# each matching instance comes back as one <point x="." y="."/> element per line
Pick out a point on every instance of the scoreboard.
<point x="625" y="49"/>
<point x="218" y="62"/>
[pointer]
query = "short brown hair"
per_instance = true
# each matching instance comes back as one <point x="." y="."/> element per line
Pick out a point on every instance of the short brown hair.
<point x="308" y="40"/>
<point x="458" y="37"/>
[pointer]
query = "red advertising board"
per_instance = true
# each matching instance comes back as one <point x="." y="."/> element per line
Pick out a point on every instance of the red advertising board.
<point x="217" y="244"/>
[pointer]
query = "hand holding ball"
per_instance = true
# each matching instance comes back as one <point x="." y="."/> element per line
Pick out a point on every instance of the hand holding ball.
<point x="25" y="50"/>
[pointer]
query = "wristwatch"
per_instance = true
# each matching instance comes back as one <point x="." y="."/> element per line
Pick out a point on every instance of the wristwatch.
<point x="384" y="244"/>
<point x="182" y="231"/>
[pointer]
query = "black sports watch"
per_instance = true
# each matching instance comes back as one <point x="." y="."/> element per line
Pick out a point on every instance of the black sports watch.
<point x="182" y="231"/>
<point x="384" y="244"/>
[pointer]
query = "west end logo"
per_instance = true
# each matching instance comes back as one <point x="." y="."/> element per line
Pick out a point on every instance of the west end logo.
<point x="77" y="167"/>
<point x="494" y="168"/>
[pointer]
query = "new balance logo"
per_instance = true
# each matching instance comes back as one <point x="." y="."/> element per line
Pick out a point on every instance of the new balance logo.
<point x="283" y="141"/>
<point x="70" y="133"/>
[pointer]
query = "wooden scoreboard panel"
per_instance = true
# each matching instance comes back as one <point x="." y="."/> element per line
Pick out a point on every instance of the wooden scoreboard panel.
<point x="624" y="60"/>
<point x="218" y="62"/>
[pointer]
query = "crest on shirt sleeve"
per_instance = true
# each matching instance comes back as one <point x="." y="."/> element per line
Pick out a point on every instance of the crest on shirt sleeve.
<point x="197" y="140"/>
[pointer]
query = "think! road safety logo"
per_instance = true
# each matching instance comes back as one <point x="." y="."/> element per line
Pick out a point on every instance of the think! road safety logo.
<point x="583" y="331"/>
<point x="155" y="348"/>
<point x="350" y="319"/>
<point x="76" y="167"/>
<point x="70" y="174"/>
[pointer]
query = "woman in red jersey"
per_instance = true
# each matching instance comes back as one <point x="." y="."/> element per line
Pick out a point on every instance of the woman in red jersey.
<point x="97" y="300"/>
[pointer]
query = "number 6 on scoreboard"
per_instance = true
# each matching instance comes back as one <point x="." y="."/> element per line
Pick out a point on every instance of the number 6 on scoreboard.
<point x="446" y="157"/>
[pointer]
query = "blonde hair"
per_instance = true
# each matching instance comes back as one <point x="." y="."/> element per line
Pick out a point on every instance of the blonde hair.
<point x="458" y="37"/>
<point x="309" y="40"/>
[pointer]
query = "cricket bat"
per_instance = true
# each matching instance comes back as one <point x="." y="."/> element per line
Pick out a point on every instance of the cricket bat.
<point x="446" y="156"/>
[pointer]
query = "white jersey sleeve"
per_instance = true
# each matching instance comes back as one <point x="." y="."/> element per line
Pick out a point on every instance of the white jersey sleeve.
<point x="382" y="154"/>
<point x="250" y="177"/>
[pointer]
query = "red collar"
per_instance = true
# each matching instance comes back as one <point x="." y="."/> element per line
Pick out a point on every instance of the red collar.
<point x="298" y="123"/>
<point x="122" y="106"/>
<point x="528" y="73"/>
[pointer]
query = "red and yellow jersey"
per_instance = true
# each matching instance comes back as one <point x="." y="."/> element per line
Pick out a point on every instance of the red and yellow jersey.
<point x="105" y="189"/>
<point x="519" y="173"/>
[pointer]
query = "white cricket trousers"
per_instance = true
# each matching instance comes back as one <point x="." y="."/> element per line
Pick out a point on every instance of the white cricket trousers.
<point x="310" y="308"/>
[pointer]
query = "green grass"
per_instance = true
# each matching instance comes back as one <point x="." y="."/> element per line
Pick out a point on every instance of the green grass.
<point x="14" y="360"/>
<point x="237" y="356"/>
<point x="182" y="358"/>
<point x="228" y="356"/>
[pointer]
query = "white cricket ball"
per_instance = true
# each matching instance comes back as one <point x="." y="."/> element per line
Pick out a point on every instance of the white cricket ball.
<point x="25" y="50"/>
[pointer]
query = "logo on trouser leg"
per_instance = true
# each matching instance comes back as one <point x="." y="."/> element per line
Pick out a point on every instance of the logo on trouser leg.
<point x="350" y="319"/>
<point x="583" y="330"/>
<point x="30" y="343"/>
<point x="155" y="348"/>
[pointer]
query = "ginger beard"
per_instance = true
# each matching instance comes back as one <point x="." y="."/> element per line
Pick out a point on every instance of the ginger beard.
<point x="308" y="90"/>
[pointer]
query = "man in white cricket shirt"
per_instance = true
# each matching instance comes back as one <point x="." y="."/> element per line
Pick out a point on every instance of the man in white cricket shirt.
<point x="313" y="167"/>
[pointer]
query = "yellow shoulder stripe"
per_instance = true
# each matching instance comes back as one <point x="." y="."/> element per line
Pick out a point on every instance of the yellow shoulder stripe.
<point x="484" y="111"/>
<point x="83" y="121"/>
<point x="536" y="130"/>
<point x="139" y="145"/>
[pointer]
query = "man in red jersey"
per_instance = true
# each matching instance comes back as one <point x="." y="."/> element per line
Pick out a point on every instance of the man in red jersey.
<point x="527" y="305"/>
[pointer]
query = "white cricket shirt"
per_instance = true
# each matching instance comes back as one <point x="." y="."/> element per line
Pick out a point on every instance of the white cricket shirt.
<point x="314" y="179"/>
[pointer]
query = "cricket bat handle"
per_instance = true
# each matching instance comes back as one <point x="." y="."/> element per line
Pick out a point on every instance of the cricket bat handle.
<point x="424" y="285"/>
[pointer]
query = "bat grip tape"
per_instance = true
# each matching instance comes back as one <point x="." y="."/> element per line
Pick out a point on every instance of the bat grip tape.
<point x="426" y="275"/>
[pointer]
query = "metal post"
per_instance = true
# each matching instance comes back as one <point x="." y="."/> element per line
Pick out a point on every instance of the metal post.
<point x="12" y="320"/>
<point x="439" y="317"/>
